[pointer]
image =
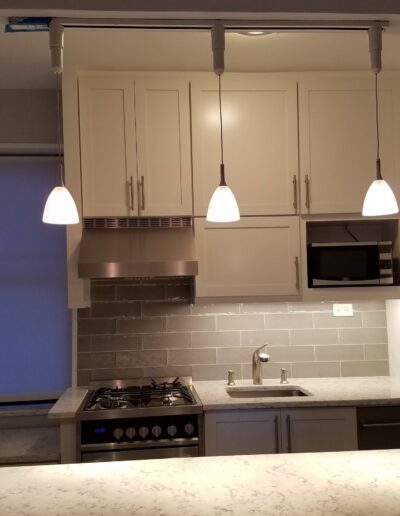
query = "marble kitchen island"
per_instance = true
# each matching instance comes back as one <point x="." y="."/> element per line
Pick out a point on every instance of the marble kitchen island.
<point x="343" y="483"/>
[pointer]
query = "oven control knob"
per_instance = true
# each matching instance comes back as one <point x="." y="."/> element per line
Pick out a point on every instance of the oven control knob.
<point x="118" y="433"/>
<point x="156" y="431"/>
<point x="143" y="432"/>
<point x="189" y="428"/>
<point x="130" y="432"/>
<point x="171" y="430"/>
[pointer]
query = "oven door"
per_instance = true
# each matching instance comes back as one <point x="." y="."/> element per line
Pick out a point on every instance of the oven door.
<point x="139" y="454"/>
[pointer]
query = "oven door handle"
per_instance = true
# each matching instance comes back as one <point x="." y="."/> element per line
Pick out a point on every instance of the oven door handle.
<point x="138" y="445"/>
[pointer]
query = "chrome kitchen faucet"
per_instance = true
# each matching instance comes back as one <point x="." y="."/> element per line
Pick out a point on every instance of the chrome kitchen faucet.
<point x="259" y="357"/>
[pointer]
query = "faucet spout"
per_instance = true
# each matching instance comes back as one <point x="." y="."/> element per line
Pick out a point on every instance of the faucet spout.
<point x="258" y="358"/>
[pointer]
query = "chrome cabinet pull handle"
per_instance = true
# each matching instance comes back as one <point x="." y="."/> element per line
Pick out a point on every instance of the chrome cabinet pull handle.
<point x="295" y="193"/>
<point x="132" y="194"/>
<point x="143" y="194"/>
<point x="296" y="264"/>
<point x="378" y="425"/>
<point x="276" y="423"/>
<point x="307" y="182"/>
<point x="289" y="434"/>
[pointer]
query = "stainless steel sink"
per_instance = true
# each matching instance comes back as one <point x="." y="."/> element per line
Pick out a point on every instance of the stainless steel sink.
<point x="266" y="391"/>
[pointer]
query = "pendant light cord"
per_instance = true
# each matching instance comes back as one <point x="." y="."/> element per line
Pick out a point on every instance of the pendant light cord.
<point x="59" y="129"/>
<point x="377" y="116"/>
<point x="220" y="118"/>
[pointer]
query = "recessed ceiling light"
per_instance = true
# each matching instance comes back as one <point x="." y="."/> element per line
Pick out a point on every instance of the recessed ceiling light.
<point x="255" y="32"/>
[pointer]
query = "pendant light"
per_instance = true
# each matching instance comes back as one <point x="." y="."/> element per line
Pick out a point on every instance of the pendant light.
<point x="380" y="199"/>
<point x="223" y="206"/>
<point x="60" y="207"/>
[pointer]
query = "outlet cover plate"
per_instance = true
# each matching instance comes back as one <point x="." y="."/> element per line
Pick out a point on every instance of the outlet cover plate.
<point x="343" y="309"/>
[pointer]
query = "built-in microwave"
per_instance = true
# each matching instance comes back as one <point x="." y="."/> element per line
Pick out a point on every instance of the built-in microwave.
<point x="347" y="264"/>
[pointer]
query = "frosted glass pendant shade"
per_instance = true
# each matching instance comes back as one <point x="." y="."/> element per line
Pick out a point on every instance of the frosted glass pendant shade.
<point x="223" y="206"/>
<point x="60" y="207"/>
<point x="380" y="200"/>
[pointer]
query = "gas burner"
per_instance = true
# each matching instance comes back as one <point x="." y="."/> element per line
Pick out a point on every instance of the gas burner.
<point x="153" y="394"/>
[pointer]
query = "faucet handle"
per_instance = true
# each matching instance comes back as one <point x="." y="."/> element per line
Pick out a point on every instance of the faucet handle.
<point x="263" y="357"/>
<point x="284" y="376"/>
<point x="231" y="377"/>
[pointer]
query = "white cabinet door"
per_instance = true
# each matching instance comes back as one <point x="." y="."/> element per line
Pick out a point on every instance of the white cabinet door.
<point x="337" y="132"/>
<point x="319" y="429"/>
<point x="242" y="432"/>
<point x="260" y="142"/>
<point x="256" y="256"/>
<point x="163" y="146"/>
<point x="108" y="145"/>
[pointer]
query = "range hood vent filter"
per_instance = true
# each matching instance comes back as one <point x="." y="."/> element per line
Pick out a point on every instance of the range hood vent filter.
<point x="136" y="222"/>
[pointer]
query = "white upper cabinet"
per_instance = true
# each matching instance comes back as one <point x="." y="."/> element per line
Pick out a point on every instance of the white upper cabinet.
<point x="108" y="144"/>
<point x="337" y="131"/>
<point x="135" y="146"/>
<point x="260" y="142"/>
<point x="256" y="256"/>
<point x="163" y="146"/>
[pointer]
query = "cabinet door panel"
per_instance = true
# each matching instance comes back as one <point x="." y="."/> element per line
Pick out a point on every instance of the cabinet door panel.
<point x="252" y="257"/>
<point x="163" y="139"/>
<point x="338" y="141"/>
<point x="260" y="143"/>
<point x="242" y="432"/>
<point x="319" y="430"/>
<point x="108" y="144"/>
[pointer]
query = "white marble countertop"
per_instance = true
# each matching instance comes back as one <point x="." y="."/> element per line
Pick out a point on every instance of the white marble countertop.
<point x="342" y="483"/>
<point x="68" y="404"/>
<point x="376" y="390"/>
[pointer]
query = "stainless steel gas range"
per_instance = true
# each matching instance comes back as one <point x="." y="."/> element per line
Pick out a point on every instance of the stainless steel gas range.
<point x="140" y="419"/>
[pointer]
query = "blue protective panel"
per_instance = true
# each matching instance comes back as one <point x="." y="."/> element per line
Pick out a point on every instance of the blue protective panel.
<point x="35" y="323"/>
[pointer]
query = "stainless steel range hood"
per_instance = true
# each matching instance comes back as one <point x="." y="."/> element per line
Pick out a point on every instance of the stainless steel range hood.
<point x="138" y="252"/>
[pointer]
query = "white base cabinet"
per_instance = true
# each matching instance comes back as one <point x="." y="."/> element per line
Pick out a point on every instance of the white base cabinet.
<point x="241" y="432"/>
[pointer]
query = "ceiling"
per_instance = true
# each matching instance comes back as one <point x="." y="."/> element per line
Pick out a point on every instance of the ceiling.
<point x="25" y="61"/>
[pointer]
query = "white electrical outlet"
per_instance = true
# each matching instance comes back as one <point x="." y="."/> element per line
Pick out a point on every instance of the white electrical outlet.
<point x="343" y="310"/>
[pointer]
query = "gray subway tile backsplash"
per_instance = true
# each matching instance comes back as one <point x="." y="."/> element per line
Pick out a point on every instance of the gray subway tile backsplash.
<point x="116" y="343"/>
<point x="192" y="356"/>
<point x="315" y="369"/>
<point x="365" y="368"/>
<point x="167" y="341"/>
<point x="374" y="319"/>
<point x="288" y="321"/>
<point x="376" y="352"/>
<point x="362" y="335"/>
<point x="240" y="322"/>
<point x="315" y="337"/>
<point x="141" y="358"/>
<point x="327" y="320"/>
<point x="347" y="352"/>
<point x="139" y="327"/>
<point x="215" y="339"/>
<point x="191" y="323"/>
<point x="251" y="338"/>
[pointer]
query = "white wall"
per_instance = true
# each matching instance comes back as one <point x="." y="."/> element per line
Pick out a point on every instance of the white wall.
<point x="393" y="329"/>
<point x="28" y="116"/>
